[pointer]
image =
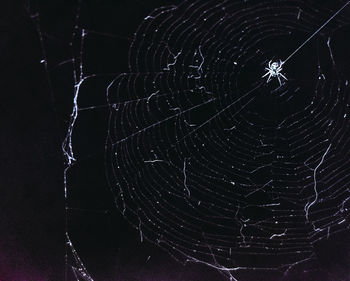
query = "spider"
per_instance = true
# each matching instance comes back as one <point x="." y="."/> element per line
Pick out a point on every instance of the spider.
<point x="274" y="70"/>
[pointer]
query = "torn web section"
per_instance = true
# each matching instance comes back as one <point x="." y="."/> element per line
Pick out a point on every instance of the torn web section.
<point x="79" y="270"/>
<point x="63" y="69"/>
<point x="223" y="185"/>
<point x="89" y="204"/>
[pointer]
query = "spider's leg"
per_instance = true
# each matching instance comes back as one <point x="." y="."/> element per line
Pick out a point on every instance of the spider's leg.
<point x="279" y="80"/>
<point x="269" y="79"/>
<point x="267" y="73"/>
<point x="284" y="77"/>
<point x="270" y="63"/>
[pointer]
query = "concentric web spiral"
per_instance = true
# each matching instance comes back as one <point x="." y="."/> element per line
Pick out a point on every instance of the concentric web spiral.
<point x="213" y="163"/>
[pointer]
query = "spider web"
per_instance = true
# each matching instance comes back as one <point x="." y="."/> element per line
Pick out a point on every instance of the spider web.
<point x="206" y="159"/>
<point x="198" y="167"/>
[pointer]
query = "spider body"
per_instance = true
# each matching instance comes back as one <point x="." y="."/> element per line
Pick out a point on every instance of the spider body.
<point x="274" y="70"/>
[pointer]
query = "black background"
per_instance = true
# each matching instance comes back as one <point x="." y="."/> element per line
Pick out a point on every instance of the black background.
<point x="35" y="108"/>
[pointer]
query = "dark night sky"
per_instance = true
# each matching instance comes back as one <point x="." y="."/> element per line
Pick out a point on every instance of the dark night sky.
<point x="31" y="169"/>
<point x="35" y="111"/>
